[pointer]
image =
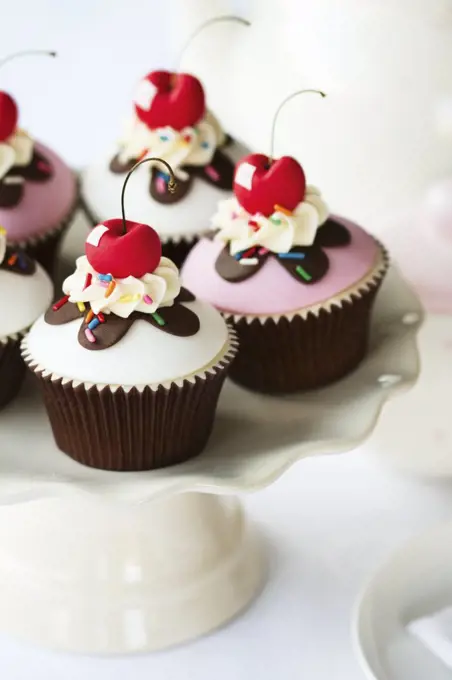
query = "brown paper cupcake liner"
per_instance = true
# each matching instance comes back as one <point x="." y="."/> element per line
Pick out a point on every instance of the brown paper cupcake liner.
<point x="44" y="248"/>
<point x="133" y="429"/>
<point x="12" y="368"/>
<point x="307" y="349"/>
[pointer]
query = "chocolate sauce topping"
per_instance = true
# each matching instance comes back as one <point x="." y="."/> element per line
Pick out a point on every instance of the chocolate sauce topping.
<point x="158" y="187"/>
<point x="38" y="170"/>
<point x="12" y="185"/>
<point x="307" y="264"/>
<point x="118" y="167"/>
<point x="219" y="172"/>
<point x="176" y="320"/>
<point x="332" y="234"/>
<point x="18" y="262"/>
<point x="230" y="269"/>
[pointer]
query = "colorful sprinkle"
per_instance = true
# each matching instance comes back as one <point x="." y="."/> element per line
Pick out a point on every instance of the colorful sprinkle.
<point x="81" y="307"/>
<point x="254" y="225"/>
<point x="104" y="277"/>
<point x="129" y="298"/>
<point x="60" y="303"/>
<point x="249" y="252"/>
<point x="148" y="300"/>
<point x="89" y="335"/>
<point x="237" y="256"/>
<point x="205" y="145"/>
<point x="43" y="166"/>
<point x="234" y="215"/>
<point x="143" y="154"/>
<point x="93" y="324"/>
<point x="22" y="262"/>
<point x="303" y="273"/>
<point x="89" y="316"/>
<point x="164" y="138"/>
<point x="263" y="251"/>
<point x="187" y="139"/>
<point x="279" y="208"/>
<point x="160" y="185"/>
<point x="89" y="278"/>
<point x="110" y="289"/>
<point x="249" y="260"/>
<point x="12" y="260"/>
<point x="158" y="319"/>
<point x="101" y="317"/>
<point x="212" y="173"/>
<point x="292" y="256"/>
<point x="275" y="220"/>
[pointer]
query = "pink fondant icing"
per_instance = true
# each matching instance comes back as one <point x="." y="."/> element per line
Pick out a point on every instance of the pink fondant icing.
<point x="44" y="204"/>
<point x="272" y="290"/>
<point x="422" y="246"/>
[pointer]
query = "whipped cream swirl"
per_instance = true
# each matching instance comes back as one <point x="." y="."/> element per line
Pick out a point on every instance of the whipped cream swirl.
<point x="279" y="232"/>
<point x="190" y="146"/>
<point x="16" y="150"/>
<point x="128" y="295"/>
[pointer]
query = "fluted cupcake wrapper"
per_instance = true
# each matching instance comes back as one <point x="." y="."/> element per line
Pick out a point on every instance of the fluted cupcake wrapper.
<point x="305" y="350"/>
<point x="133" y="429"/>
<point x="12" y="368"/>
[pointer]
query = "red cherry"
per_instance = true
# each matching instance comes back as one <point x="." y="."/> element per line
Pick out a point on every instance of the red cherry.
<point x="179" y="101"/>
<point x="260" y="185"/>
<point x="8" y="116"/>
<point x="111" y="251"/>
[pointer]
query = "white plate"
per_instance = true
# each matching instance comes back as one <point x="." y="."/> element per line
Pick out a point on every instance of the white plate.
<point x="415" y="582"/>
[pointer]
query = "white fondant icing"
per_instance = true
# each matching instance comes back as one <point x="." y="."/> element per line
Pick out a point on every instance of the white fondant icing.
<point x="22" y="300"/>
<point x="279" y="232"/>
<point x="189" y="217"/>
<point x="144" y="356"/>
<point x="145" y="295"/>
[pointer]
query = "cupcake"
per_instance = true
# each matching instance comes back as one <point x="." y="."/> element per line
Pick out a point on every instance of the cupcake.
<point x="297" y="283"/>
<point x="38" y="191"/>
<point x="25" y="293"/>
<point x="129" y="363"/>
<point x="169" y="120"/>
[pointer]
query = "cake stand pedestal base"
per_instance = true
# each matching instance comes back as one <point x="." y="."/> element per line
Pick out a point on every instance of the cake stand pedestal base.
<point x="93" y="577"/>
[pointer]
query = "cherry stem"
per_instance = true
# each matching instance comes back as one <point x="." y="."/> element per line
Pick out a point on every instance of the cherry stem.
<point x="275" y="117"/>
<point x="26" y="53"/>
<point x="206" y="24"/>
<point x="172" y="184"/>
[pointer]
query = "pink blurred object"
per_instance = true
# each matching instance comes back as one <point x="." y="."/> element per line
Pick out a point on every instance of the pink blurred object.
<point x="422" y="246"/>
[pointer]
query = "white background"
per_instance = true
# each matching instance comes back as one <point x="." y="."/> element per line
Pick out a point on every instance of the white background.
<point x="328" y="523"/>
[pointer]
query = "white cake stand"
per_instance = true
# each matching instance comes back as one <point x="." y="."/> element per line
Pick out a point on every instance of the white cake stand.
<point x="104" y="562"/>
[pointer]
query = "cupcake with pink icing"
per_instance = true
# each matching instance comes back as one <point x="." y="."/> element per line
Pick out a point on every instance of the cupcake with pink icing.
<point x="25" y="292"/>
<point x="38" y="191"/>
<point x="298" y="283"/>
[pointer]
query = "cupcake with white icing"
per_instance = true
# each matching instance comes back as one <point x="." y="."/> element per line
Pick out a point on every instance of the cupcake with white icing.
<point x="130" y="364"/>
<point x="297" y="283"/>
<point x="169" y="120"/>
<point x="25" y="292"/>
